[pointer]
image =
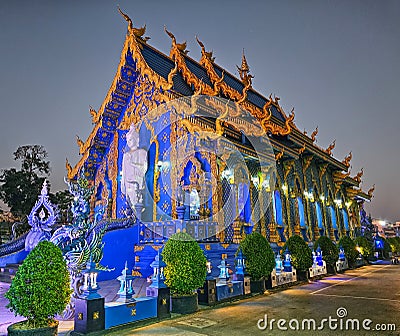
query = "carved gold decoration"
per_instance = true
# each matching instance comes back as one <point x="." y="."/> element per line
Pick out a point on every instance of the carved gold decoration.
<point x="357" y="178"/>
<point x="314" y="134"/>
<point x="81" y="144"/>
<point x="264" y="115"/>
<point x="287" y="167"/>
<point x="244" y="72"/>
<point x="171" y="75"/>
<point x="113" y="172"/>
<point x="139" y="248"/>
<point x="347" y="160"/>
<point x="279" y="155"/>
<point x="330" y="147"/>
<point x="176" y="54"/>
<point x="371" y="191"/>
<point x="225" y="246"/>
<point x="276" y="129"/>
<point x="157" y="247"/>
<point x="95" y="115"/>
<point x="302" y="149"/>
<point x="306" y="162"/>
<point x="322" y="169"/>
<point x="137" y="32"/>
<point x="69" y="169"/>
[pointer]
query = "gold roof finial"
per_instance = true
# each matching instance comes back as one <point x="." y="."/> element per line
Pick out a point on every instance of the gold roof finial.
<point x="331" y="146"/>
<point x="358" y="176"/>
<point x="204" y="53"/>
<point x="138" y="32"/>
<point x="314" y="134"/>
<point x="347" y="160"/>
<point x="371" y="191"/>
<point x="244" y="71"/>
<point x="245" y="66"/>
<point x="68" y="168"/>
<point x="279" y="155"/>
<point x="180" y="46"/>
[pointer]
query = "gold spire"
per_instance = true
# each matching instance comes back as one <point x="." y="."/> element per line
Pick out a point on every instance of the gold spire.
<point x="244" y="71"/>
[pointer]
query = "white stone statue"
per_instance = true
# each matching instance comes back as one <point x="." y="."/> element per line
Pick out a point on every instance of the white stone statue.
<point x="134" y="167"/>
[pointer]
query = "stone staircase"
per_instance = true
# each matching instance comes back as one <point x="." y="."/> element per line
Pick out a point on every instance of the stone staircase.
<point x="7" y="272"/>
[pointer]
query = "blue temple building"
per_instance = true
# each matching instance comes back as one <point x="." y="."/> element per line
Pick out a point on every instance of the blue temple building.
<point x="141" y="169"/>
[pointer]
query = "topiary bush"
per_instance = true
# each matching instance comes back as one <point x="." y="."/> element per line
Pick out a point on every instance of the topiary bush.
<point x="301" y="254"/>
<point x="349" y="247"/>
<point x="366" y="247"/>
<point x="260" y="259"/>
<point x="386" y="248"/>
<point x="330" y="252"/>
<point x="186" y="268"/>
<point x="41" y="286"/>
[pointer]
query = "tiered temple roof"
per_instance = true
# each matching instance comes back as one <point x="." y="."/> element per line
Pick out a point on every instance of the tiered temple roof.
<point x="179" y="75"/>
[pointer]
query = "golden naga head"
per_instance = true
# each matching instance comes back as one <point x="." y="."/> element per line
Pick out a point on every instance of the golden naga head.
<point x="331" y="146"/>
<point x="314" y="134"/>
<point x="181" y="47"/>
<point x="347" y="160"/>
<point x="137" y="32"/>
<point x="371" y="191"/>
<point x="302" y="149"/>
<point x="358" y="176"/>
<point x="205" y="54"/>
<point x="279" y="155"/>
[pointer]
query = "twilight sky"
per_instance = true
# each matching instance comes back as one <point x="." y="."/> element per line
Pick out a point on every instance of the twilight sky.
<point x="336" y="62"/>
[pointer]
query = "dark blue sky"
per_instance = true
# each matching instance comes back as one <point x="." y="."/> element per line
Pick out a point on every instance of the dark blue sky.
<point x="336" y="62"/>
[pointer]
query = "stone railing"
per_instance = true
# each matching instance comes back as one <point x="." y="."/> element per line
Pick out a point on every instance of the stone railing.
<point x="13" y="246"/>
<point x="159" y="232"/>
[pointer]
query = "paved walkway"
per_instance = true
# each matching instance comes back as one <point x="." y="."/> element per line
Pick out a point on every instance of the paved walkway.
<point x="368" y="292"/>
<point x="108" y="290"/>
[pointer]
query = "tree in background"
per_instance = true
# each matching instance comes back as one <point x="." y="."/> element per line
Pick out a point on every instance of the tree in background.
<point x="366" y="247"/>
<point x="19" y="188"/>
<point x="63" y="200"/>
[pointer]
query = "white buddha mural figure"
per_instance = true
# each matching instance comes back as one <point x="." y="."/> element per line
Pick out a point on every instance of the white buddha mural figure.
<point x="134" y="167"/>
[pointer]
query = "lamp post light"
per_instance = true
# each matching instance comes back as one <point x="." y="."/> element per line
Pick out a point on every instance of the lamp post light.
<point x="158" y="288"/>
<point x="319" y="256"/>
<point x="240" y="265"/>
<point x="158" y="266"/>
<point x="89" y="308"/>
<point x="90" y="286"/>
<point x="287" y="263"/>
<point x="126" y="289"/>
<point x="223" y="272"/>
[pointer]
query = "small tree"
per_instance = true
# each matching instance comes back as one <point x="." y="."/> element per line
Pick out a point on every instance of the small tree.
<point x="40" y="288"/>
<point x="301" y="254"/>
<point x="349" y="247"/>
<point x="366" y="247"/>
<point x="260" y="259"/>
<point x="330" y="252"/>
<point x="186" y="264"/>
<point x="19" y="188"/>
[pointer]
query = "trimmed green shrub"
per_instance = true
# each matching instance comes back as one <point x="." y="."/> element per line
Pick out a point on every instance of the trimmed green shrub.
<point x="301" y="254"/>
<point x="186" y="264"/>
<point x="349" y="247"/>
<point x="41" y="286"/>
<point x="260" y="259"/>
<point x="394" y="244"/>
<point x="330" y="252"/>
<point x="386" y="248"/>
<point x="366" y="247"/>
